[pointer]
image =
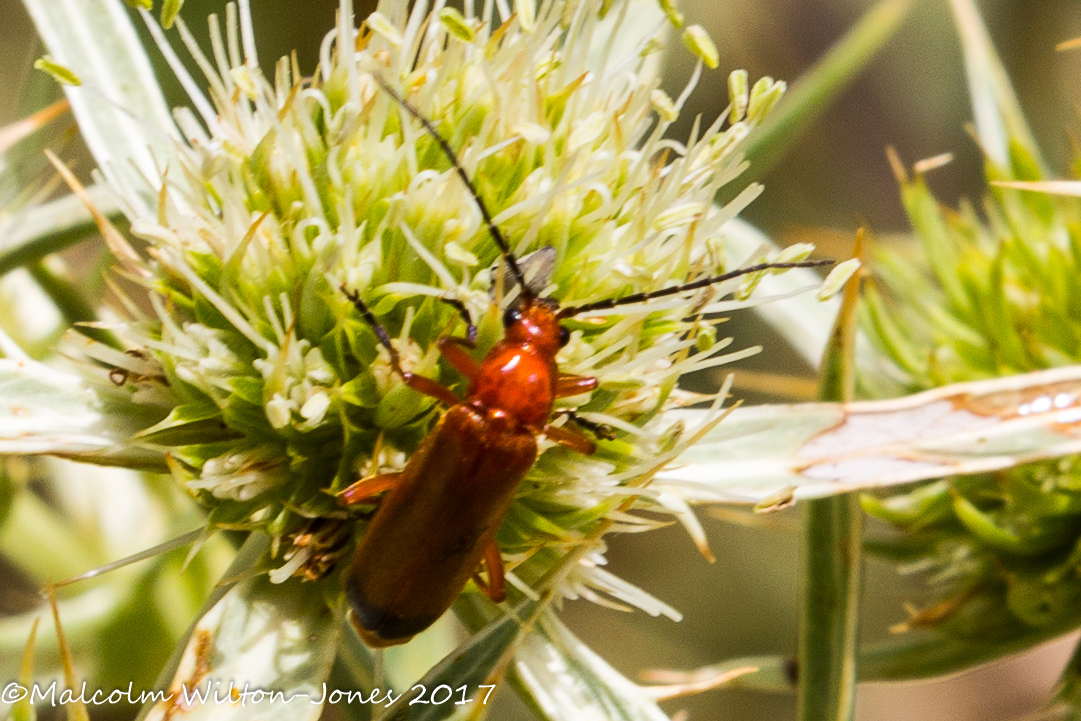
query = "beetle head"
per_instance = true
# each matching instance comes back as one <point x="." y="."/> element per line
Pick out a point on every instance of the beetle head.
<point x="534" y="321"/>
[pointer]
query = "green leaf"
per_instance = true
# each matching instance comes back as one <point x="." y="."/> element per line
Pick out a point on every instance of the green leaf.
<point x="199" y="422"/>
<point x="476" y="664"/>
<point x="931" y="501"/>
<point x="119" y="107"/>
<point x="823" y="449"/>
<point x="936" y="239"/>
<point x="889" y="333"/>
<point x="1000" y="122"/>
<point x="255" y="636"/>
<point x="566" y="681"/>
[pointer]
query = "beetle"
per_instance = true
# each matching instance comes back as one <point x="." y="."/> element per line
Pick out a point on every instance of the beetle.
<point x="438" y="519"/>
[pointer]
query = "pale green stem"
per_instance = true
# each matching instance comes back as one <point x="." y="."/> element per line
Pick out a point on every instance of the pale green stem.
<point x="817" y="89"/>
<point x="915" y="656"/>
<point x="832" y="551"/>
<point x="827" y="653"/>
<point x="932" y="653"/>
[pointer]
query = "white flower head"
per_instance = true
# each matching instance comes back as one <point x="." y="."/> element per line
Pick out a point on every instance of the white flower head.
<point x="287" y="188"/>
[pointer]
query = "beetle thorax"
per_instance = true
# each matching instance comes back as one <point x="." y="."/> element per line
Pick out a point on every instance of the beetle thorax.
<point x="518" y="375"/>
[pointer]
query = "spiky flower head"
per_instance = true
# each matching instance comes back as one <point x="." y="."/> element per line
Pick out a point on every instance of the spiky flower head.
<point x="273" y="391"/>
<point x="988" y="296"/>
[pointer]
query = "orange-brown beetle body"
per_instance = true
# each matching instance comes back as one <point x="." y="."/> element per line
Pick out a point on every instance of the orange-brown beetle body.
<point x="433" y="527"/>
<point x="442" y="511"/>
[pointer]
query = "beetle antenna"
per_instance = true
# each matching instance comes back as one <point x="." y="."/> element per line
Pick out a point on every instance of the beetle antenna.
<point x="493" y="229"/>
<point x="377" y="327"/>
<point x="693" y="285"/>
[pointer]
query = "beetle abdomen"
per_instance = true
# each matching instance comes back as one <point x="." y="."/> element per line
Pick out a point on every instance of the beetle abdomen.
<point x="430" y="532"/>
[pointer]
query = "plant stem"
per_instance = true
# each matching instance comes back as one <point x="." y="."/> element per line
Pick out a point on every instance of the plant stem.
<point x="833" y="544"/>
<point x="819" y="87"/>
<point x="827" y="658"/>
<point x="915" y="656"/>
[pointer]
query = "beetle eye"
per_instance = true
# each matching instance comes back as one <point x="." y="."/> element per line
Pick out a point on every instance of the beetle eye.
<point x="564" y="336"/>
<point x="511" y="316"/>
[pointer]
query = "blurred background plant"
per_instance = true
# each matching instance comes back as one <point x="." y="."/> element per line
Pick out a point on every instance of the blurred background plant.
<point x="997" y="266"/>
<point x="989" y="290"/>
<point x="832" y="179"/>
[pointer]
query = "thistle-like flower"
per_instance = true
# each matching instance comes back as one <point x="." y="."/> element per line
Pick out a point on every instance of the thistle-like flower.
<point x="278" y="393"/>
<point x="268" y="392"/>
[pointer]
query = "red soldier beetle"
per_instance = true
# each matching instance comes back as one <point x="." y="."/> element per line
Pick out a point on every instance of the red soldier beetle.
<point x="440" y="514"/>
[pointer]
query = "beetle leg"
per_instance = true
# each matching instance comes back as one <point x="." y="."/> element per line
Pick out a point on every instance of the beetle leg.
<point x="496" y="588"/>
<point x="568" y="385"/>
<point x="453" y="349"/>
<point x="571" y="439"/>
<point x="364" y="490"/>
<point x="427" y="386"/>
<point x="470" y="326"/>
